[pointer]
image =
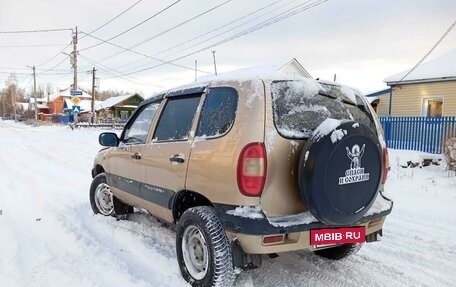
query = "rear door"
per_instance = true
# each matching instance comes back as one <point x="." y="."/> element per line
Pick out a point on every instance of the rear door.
<point x="165" y="159"/>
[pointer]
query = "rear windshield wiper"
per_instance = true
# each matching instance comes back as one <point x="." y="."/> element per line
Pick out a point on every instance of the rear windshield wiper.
<point x="361" y="107"/>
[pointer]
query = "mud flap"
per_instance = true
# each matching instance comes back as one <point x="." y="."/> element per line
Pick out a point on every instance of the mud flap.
<point x="121" y="210"/>
<point x="373" y="237"/>
<point x="243" y="260"/>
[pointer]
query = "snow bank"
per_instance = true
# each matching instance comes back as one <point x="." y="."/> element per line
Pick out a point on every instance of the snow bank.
<point x="49" y="236"/>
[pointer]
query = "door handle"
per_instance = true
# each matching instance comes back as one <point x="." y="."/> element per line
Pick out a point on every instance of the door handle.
<point x="136" y="156"/>
<point x="178" y="158"/>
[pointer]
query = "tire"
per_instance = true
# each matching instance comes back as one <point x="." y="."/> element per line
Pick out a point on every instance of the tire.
<point x="203" y="250"/>
<point x="339" y="173"/>
<point x="111" y="206"/>
<point x="339" y="252"/>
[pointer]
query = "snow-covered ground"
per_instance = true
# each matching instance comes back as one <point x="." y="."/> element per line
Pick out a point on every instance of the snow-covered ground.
<point x="49" y="237"/>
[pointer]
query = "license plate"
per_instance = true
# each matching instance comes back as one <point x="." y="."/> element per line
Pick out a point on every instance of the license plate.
<point x="337" y="235"/>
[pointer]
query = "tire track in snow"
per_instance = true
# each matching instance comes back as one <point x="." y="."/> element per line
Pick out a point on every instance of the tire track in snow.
<point x="71" y="245"/>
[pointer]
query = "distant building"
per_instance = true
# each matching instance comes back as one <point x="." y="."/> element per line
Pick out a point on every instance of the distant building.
<point x="430" y="90"/>
<point x="118" y="108"/>
<point x="59" y="103"/>
<point x="41" y="105"/>
<point x="380" y="101"/>
<point x="293" y="68"/>
<point x="290" y="68"/>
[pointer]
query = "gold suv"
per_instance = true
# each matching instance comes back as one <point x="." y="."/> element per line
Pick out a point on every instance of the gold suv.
<point x="249" y="167"/>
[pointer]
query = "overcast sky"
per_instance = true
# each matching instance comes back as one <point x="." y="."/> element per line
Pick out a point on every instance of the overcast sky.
<point x="362" y="41"/>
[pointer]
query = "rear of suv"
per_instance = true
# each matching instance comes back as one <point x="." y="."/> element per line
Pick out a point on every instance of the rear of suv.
<point x="248" y="167"/>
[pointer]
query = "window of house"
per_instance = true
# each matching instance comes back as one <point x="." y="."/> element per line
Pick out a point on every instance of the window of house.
<point x="218" y="112"/>
<point x="432" y="107"/>
<point x="176" y="119"/>
<point x="138" y="130"/>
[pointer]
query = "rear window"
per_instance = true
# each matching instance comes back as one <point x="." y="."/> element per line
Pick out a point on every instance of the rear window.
<point x="218" y="113"/>
<point x="301" y="106"/>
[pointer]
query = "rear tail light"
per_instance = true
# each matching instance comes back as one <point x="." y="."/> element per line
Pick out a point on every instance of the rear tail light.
<point x="251" y="169"/>
<point x="385" y="165"/>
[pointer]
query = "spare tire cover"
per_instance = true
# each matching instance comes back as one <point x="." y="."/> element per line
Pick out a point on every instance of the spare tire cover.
<point x="339" y="173"/>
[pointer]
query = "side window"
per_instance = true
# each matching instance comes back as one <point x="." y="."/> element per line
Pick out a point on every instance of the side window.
<point x="176" y="119"/>
<point x="138" y="130"/>
<point x="218" y="113"/>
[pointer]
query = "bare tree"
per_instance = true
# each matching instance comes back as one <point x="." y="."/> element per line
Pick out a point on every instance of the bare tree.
<point x="13" y="95"/>
<point x="49" y="88"/>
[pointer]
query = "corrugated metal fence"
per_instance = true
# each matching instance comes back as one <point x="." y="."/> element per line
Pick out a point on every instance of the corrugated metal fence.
<point x="427" y="134"/>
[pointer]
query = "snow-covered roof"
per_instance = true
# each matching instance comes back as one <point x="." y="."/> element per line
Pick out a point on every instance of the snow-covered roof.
<point x="66" y="94"/>
<point x="39" y="100"/>
<point x="40" y="106"/>
<point x="443" y="67"/>
<point x="112" y="101"/>
<point x="291" y="68"/>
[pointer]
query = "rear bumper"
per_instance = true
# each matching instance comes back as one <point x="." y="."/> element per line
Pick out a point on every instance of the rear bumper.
<point x="248" y="225"/>
<point x="253" y="221"/>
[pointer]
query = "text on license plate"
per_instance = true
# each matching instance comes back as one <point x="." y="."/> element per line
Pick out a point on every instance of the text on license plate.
<point x="337" y="235"/>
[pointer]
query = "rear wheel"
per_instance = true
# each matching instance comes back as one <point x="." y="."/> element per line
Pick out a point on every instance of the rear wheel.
<point x="203" y="250"/>
<point x="339" y="252"/>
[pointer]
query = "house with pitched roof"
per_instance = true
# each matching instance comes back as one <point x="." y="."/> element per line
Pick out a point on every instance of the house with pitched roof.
<point x="429" y="90"/>
<point x="120" y="107"/>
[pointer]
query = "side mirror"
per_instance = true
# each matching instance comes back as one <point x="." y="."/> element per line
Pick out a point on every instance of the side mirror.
<point x="108" y="139"/>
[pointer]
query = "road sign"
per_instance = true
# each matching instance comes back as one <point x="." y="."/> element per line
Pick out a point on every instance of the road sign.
<point x="76" y="100"/>
<point x="75" y="93"/>
<point x="76" y="109"/>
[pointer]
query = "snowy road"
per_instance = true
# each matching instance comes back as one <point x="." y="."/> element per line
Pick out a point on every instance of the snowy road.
<point x="49" y="237"/>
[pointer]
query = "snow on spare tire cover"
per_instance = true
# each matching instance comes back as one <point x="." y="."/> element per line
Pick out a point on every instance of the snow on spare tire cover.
<point x="339" y="180"/>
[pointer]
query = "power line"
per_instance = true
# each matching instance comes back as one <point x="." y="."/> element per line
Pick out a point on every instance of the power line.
<point x="167" y="30"/>
<point x="201" y="35"/>
<point x="428" y="53"/>
<point x="257" y="26"/>
<point x="61" y="62"/>
<point x="273" y="20"/>
<point x="135" y="26"/>
<point x="116" y="73"/>
<point x="56" y="55"/>
<point x="144" y="55"/>
<point x="34" y="31"/>
<point x="227" y="24"/>
<point x="123" y="12"/>
<point x="235" y="27"/>
<point x="31" y="46"/>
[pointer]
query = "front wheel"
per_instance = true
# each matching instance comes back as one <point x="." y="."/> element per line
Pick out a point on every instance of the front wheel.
<point x="103" y="201"/>
<point x="203" y="250"/>
<point x="339" y="252"/>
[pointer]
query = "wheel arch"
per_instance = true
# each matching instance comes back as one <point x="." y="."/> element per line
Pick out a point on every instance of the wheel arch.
<point x="97" y="170"/>
<point x="186" y="199"/>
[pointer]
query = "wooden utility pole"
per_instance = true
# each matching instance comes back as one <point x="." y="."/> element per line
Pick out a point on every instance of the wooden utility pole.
<point x="34" y="93"/>
<point x="74" y="61"/>
<point x="3" y="100"/>
<point x="196" y="69"/>
<point x="93" y="95"/>
<point x="13" y="100"/>
<point x="215" y="63"/>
